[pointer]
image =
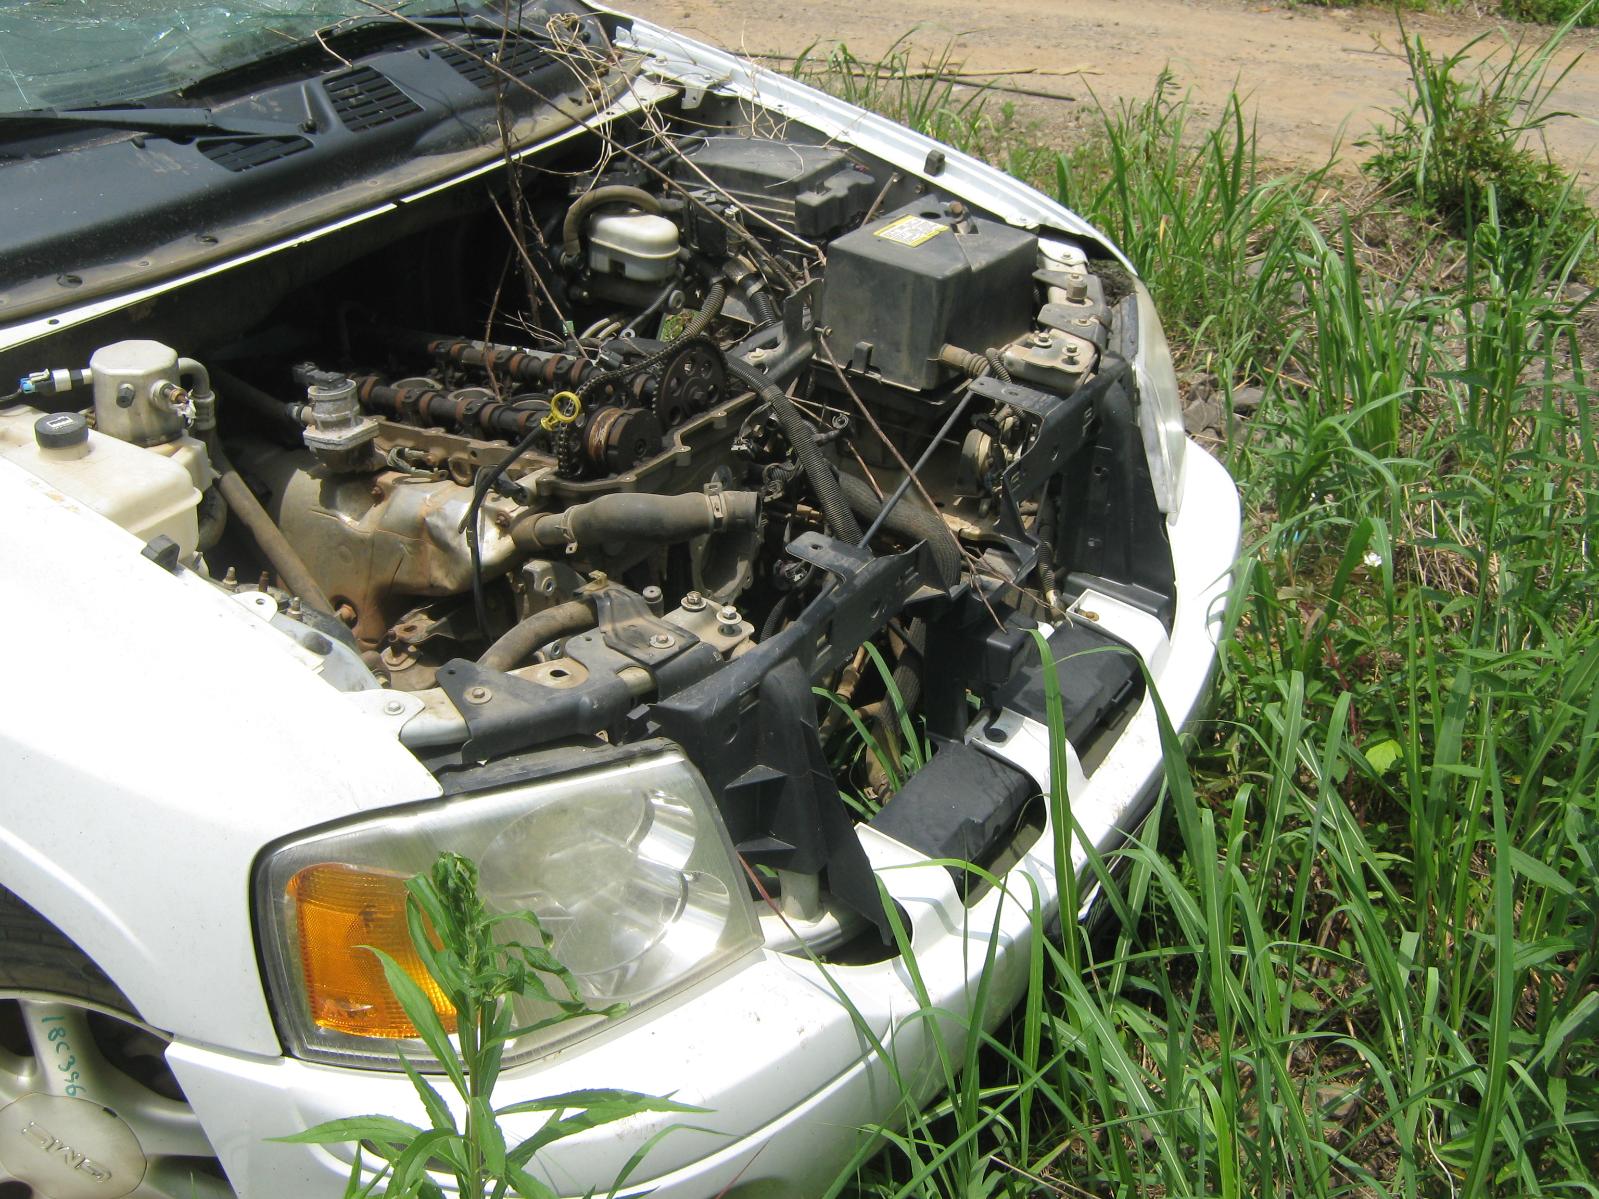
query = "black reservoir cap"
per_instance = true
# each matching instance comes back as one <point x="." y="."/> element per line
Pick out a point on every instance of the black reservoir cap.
<point x="61" y="430"/>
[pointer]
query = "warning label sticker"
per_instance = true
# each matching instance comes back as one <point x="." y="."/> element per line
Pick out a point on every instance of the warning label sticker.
<point x="911" y="230"/>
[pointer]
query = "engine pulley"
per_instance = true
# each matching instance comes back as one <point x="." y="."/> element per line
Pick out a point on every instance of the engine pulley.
<point x="692" y="380"/>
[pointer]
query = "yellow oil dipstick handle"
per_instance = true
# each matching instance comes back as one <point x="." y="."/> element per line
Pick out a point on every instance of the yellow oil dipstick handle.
<point x="565" y="407"/>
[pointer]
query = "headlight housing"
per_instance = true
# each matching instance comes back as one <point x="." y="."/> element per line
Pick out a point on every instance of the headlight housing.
<point x="1160" y="408"/>
<point x="628" y="867"/>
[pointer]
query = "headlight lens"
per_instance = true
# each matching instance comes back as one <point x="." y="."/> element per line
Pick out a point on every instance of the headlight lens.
<point x="628" y="867"/>
<point x="1160" y="408"/>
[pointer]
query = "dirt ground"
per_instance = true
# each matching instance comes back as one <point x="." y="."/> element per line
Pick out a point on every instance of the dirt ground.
<point x="1314" y="77"/>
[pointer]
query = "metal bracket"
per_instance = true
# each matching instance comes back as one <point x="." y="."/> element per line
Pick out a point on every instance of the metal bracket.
<point x="632" y="630"/>
<point x="1062" y="426"/>
<point x="504" y="713"/>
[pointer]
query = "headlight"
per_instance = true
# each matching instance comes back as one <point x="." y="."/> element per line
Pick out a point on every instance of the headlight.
<point x="1160" y="408"/>
<point x="628" y="867"/>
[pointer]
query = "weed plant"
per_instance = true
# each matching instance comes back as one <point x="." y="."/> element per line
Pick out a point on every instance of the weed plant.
<point x="925" y="97"/>
<point x="479" y="964"/>
<point x="1473" y="126"/>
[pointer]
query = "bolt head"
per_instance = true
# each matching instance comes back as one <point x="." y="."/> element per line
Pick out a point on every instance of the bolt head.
<point x="693" y="601"/>
<point x="478" y="695"/>
<point x="728" y="615"/>
<point x="662" y="641"/>
<point x="394" y="707"/>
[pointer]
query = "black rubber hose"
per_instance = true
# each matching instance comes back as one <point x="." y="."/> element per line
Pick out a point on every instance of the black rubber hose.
<point x="774" y="618"/>
<point x="213" y="512"/>
<point x="274" y="545"/>
<point x="763" y="307"/>
<point x="819" y="472"/>
<point x="572" y="226"/>
<point x="622" y="517"/>
<point x="275" y="412"/>
<point x="908" y="669"/>
<point x="715" y="297"/>
<point x="914" y="521"/>
<point x="522" y="638"/>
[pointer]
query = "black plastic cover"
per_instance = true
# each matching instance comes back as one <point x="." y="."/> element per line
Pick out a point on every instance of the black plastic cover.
<point x="61" y="430"/>
<point x="1099" y="676"/>
<point x="814" y="190"/>
<point x="962" y="805"/>
<point x="900" y="287"/>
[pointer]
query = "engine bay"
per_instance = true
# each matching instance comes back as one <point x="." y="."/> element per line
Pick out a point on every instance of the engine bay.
<point x="692" y="426"/>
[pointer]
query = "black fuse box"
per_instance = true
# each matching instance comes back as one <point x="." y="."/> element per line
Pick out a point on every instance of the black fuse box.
<point x="814" y="190"/>
<point x="900" y="287"/>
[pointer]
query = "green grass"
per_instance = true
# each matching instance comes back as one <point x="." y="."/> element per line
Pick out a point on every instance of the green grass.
<point x="1544" y="12"/>
<point x="1356" y="952"/>
<point x="1550" y="12"/>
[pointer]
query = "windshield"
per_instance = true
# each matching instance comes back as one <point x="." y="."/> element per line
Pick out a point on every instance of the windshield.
<point x="74" y="53"/>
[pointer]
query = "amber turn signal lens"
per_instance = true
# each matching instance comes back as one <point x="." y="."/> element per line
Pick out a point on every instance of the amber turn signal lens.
<point x="340" y="908"/>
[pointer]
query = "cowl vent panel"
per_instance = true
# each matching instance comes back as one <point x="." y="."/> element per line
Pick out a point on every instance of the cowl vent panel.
<point x="364" y="99"/>
<point x="477" y="60"/>
<point x="246" y="153"/>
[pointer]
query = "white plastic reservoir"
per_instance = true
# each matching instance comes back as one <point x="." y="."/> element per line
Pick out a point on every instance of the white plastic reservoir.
<point x="634" y="245"/>
<point x="147" y="493"/>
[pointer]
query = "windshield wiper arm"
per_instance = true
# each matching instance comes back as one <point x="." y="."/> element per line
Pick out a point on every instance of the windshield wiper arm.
<point x="179" y="121"/>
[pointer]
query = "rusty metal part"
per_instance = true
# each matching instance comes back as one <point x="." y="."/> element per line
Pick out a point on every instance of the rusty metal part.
<point x="964" y="361"/>
<point x="687" y="459"/>
<point x="1051" y="358"/>
<point x="464" y="408"/>
<point x="378" y="540"/>
<point x="725" y="637"/>
<point x="297" y="575"/>
<point x="619" y="438"/>
<point x="541" y="369"/>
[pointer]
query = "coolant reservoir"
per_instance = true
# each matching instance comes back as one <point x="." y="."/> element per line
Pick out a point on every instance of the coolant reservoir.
<point x="147" y="493"/>
<point x="634" y="245"/>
